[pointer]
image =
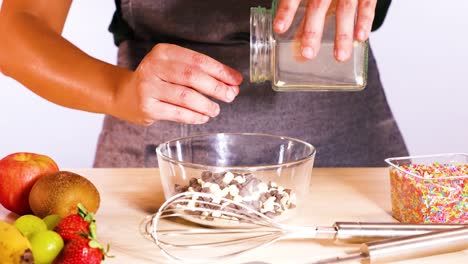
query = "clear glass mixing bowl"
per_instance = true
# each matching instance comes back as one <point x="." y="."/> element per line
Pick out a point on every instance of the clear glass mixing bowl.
<point x="266" y="172"/>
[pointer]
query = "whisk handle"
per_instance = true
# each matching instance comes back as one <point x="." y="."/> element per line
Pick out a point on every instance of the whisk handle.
<point x="359" y="232"/>
<point x="433" y="243"/>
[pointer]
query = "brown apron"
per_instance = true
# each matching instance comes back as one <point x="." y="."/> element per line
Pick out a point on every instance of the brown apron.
<point x="347" y="128"/>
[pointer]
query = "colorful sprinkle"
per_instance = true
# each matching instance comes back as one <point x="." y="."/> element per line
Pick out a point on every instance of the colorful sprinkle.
<point x="438" y="195"/>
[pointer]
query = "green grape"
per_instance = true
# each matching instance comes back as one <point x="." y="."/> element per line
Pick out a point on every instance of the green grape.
<point x="46" y="245"/>
<point x="30" y="224"/>
<point x="52" y="220"/>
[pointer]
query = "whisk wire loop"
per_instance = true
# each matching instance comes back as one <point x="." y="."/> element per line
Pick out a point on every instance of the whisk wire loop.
<point x="224" y="228"/>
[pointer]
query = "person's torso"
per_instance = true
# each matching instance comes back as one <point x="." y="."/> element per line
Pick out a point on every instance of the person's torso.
<point x="344" y="127"/>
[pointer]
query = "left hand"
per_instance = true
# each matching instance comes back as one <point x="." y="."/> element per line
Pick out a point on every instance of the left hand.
<point x="346" y="30"/>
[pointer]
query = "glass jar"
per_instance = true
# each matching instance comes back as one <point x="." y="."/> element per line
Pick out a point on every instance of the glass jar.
<point x="277" y="57"/>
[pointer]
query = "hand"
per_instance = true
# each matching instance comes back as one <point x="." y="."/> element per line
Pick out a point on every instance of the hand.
<point x="172" y="83"/>
<point x="316" y="12"/>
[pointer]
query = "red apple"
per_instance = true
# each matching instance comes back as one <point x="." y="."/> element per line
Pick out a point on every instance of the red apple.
<point x="18" y="173"/>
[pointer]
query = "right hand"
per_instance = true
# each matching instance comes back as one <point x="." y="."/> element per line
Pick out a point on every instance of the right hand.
<point x="172" y="83"/>
<point x="311" y="30"/>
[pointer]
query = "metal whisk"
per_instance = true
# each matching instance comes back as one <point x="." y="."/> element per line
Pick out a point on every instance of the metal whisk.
<point x="205" y="231"/>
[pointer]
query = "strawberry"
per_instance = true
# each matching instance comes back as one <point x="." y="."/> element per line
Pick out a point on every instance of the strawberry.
<point x="76" y="225"/>
<point x="71" y="227"/>
<point x="79" y="234"/>
<point x="81" y="250"/>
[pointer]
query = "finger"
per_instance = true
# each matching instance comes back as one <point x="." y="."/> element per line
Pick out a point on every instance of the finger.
<point x="285" y="15"/>
<point x="345" y="16"/>
<point x="209" y="65"/>
<point x="194" y="77"/>
<point x="296" y="43"/>
<point x="165" y="111"/>
<point x="365" y="17"/>
<point x="187" y="98"/>
<point x="313" y="27"/>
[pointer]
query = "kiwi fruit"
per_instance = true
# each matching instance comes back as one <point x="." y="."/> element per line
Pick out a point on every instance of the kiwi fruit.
<point x="60" y="192"/>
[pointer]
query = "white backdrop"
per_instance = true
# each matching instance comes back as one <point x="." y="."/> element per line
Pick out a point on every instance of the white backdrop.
<point x="421" y="51"/>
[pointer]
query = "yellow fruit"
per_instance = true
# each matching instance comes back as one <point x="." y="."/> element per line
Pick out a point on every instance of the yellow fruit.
<point x="14" y="247"/>
<point x="60" y="192"/>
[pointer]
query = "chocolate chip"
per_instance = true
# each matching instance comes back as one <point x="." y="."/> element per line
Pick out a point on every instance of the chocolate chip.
<point x="230" y="208"/>
<point x="206" y="199"/>
<point x="193" y="212"/>
<point x="274" y="193"/>
<point x="246" y="189"/>
<point x="180" y="189"/>
<point x="218" y="177"/>
<point x="270" y="214"/>
<point x="206" y="176"/>
<point x="193" y="182"/>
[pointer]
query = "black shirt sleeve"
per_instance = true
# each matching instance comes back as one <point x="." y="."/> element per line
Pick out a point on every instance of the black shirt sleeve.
<point x="119" y="27"/>
<point x="380" y="13"/>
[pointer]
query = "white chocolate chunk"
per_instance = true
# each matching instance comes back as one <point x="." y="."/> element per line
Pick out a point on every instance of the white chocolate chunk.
<point x="237" y="199"/>
<point x="216" y="214"/>
<point x="262" y="187"/>
<point x="228" y="176"/>
<point x="268" y="205"/>
<point x="225" y="191"/>
<point x="214" y="188"/>
<point x="204" y="215"/>
<point x="239" y="179"/>
<point x="191" y="204"/>
<point x="233" y="190"/>
<point x="216" y="200"/>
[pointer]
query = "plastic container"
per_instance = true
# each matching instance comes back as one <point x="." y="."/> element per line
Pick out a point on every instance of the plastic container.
<point x="430" y="188"/>
<point x="277" y="57"/>
<point x="269" y="173"/>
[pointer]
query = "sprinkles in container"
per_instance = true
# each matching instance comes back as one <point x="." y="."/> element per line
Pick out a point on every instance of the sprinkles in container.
<point x="430" y="188"/>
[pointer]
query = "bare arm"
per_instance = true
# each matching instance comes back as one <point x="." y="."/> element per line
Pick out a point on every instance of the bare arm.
<point x="33" y="52"/>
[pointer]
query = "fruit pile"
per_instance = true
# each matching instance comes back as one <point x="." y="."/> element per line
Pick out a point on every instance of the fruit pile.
<point x="56" y="213"/>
